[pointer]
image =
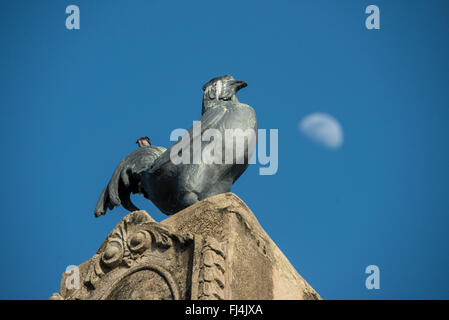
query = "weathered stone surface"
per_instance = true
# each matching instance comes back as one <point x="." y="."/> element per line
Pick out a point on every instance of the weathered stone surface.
<point x="214" y="249"/>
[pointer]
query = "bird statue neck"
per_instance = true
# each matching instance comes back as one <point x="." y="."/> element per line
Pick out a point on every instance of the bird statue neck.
<point x="209" y="103"/>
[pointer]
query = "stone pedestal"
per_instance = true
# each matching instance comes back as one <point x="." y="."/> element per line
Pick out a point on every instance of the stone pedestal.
<point x="215" y="249"/>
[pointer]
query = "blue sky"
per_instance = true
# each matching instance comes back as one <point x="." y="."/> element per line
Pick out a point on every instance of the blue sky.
<point x="73" y="103"/>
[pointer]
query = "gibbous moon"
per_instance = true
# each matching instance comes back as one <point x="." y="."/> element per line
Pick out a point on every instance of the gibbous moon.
<point x="323" y="129"/>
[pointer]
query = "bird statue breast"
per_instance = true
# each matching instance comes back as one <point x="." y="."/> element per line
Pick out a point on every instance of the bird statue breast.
<point x="173" y="185"/>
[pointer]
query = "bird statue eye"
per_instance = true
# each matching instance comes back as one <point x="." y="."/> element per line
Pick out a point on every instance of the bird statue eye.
<point x="211" y="94"/>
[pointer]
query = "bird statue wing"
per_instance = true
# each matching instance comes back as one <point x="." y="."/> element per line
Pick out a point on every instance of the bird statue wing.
<point x="210" y="119"/>
<point x="126" y="179"/>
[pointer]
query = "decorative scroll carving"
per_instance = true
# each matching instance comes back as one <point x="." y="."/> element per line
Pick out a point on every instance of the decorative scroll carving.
<point x="140" y="259"/>
<point x="126" y="246"/>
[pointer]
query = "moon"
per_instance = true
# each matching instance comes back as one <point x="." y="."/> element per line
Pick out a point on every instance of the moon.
<point x="323" y="129"/>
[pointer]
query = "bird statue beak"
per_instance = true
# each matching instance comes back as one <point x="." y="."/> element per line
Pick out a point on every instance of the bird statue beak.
<point x="239" y="84"/>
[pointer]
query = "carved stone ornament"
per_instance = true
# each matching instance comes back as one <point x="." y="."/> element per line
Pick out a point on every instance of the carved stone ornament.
<point x="214" y="249"/>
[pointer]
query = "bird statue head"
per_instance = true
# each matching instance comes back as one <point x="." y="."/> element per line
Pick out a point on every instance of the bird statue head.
<point x="221" y="89"/>
<point x="143" y="142"/>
